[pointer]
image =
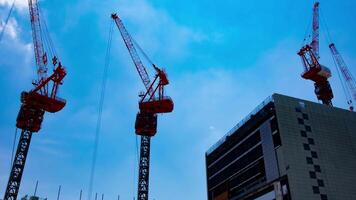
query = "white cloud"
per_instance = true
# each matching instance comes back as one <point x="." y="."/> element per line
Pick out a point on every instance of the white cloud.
<point x="21" y="5"/>
<point x="11" y="28"/>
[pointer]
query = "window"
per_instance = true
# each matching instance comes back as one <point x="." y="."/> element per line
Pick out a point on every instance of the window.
<point x="297" y="109"/>
<point x="274" y="124"/>
<point x="323" y="197"/>
<point x="311" y="141"/>
<point x="312" y="175"/>
<point x="306" y="147"/>
<point x="317" y="168"/>
<point x="300" y="121"/>
<point x="277" y="140"/>
<point x="308" y="128"/>
<point x="309" y="160"/>
<point x="303" y="133"/>
<point x="314" y="154"/>
<point x="321" y="183"/>
<point x="316" y="190"/>
<point x="305" y="116"/>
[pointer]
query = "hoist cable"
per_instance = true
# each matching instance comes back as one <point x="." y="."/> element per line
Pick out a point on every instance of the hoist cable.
<point x="327" y="32"/>
<point x="136" y="162"/>
<point x="141" y="50"/>
<point x="7" y="21"/>
<point x="13" y="148"/>
<point x="100" y="111"/>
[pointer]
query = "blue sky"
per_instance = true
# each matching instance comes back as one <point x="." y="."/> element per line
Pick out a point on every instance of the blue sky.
<point x="222" y="57"/>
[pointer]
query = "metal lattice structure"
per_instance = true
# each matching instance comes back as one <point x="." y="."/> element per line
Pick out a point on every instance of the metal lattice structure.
<point x="18" y="166"/>
<point x="144" y="168"/>
<point x="349" y="80"/>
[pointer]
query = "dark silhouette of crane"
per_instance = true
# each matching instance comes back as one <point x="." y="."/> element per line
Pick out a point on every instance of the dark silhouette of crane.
<point x="313" y="70"/>
<point x="43" y="98"/>
<point x="152" y="102"/>
<point x="348" y="79"/>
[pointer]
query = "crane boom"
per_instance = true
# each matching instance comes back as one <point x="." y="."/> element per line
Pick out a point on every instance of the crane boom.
<point x="132" y="50"/>
<point x="346" y="74"/>
<point x="315" y="39"/>
<point x="40" y="54"/>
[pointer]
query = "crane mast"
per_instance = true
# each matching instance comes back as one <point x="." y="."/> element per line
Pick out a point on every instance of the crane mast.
<point x="346" y="74"/>
<point x="313" y="70"/>
<point x="43" y="98"/>
<point x="151" y="103"/>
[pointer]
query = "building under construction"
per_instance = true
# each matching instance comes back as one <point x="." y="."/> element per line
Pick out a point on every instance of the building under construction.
<point x="287" y="148"/>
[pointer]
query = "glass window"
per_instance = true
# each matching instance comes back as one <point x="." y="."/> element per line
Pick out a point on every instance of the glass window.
<point x="316" y="190"/>
<point x="317" y="168"/>
<point x="303" y="133"/>
<point x="314" y="154"/>
<point x="311" y="141"/>
<point x="269" y="196"/>
<point x="309" y="160"/>
<point x="300" y="121"/>
<point x="308" y="128"/>
<point x="306" y="147"/>
<point x="323" y="197"/>
<point x="321" y="183"/>
<point x="312" y="175"/>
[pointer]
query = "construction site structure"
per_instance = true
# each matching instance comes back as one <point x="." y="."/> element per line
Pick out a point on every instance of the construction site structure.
<point x="313" y="70"/>
<point x="152" y="102"/>
<point x="43" y="98"/>
<point x="27" y="197"/>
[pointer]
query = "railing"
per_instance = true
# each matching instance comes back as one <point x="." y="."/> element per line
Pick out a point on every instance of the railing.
<point x="241" y="123"/>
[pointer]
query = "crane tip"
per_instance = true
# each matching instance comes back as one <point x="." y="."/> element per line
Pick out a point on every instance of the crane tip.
<point x="114" y="16"/>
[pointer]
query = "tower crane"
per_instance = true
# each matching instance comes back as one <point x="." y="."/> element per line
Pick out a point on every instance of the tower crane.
<point x="346" y="74"/>
<point x="43" y="98"/>
<point x="151" y="103"/>
<point x="313" y="70"/>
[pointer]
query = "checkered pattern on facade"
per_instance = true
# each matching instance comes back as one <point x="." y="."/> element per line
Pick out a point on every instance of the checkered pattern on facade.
<point x="312" y="158"/>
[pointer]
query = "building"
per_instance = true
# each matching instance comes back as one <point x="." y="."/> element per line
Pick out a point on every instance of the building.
<point x="287" y="148"/>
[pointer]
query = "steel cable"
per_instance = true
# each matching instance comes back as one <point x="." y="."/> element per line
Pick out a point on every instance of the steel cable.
<point x="100" y="110"/>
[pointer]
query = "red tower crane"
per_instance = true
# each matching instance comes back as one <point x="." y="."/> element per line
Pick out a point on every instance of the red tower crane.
<point x="346" y="74"/>
<point x="43" y="98"/>
<point x="151" y="103"/>
<point x="313" y="70"/>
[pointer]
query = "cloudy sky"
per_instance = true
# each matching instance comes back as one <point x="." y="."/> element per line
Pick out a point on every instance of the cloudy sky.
<point x="223" y="58"/>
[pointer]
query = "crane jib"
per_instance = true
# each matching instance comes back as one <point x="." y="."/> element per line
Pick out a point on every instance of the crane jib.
<point x="133" y="53"/>
<point x="40" y="55"/>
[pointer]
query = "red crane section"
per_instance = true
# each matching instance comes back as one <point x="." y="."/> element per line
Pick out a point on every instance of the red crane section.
<point x="313" y="70"/>
<point x="40" y="55"/>
<point x="150" y="102"/>
<point x="132" y="50"/>
<point x="346" y="74"/>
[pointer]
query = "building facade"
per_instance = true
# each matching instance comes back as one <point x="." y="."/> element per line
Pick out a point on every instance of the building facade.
<point x="287" y="148"/>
